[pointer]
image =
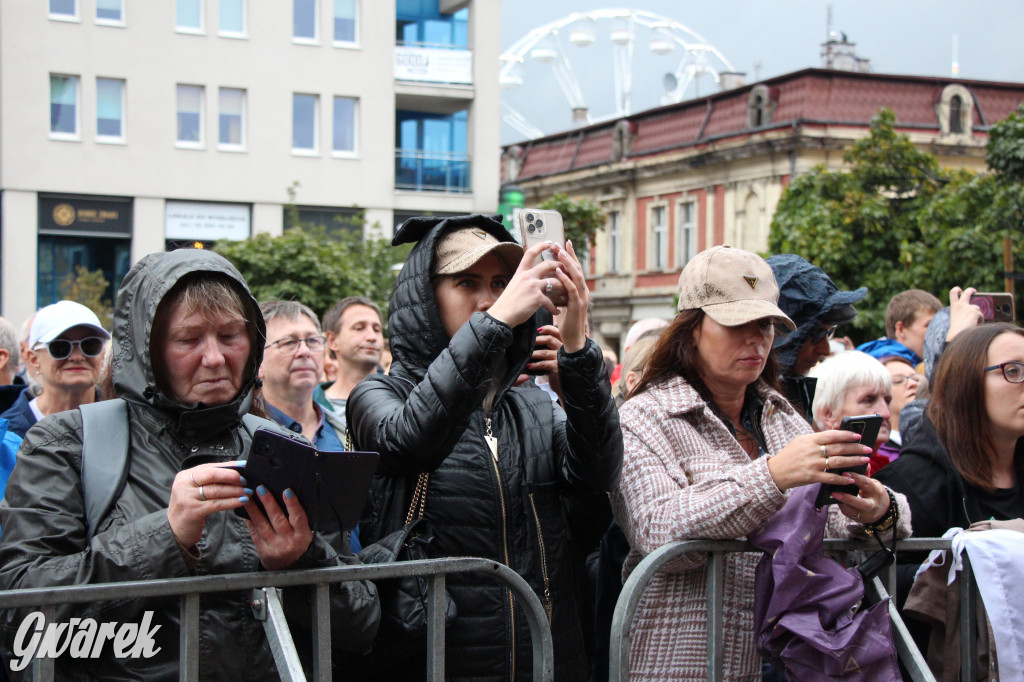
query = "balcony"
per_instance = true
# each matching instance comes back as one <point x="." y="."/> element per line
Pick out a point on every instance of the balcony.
<point x="421" y="171"/>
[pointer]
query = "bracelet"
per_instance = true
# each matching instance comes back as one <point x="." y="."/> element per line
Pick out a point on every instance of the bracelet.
<point x="887" y="521"/>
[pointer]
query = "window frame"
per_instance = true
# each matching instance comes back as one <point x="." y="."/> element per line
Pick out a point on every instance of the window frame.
<point x="345" y="153"/>
<point x="302" y="40"/>
<point x="315" y="149"/>
<point x="189" y="144"/>
<point x="613" y="221"/>
<point x="111" y="22"/>
<point x="687" y="231"/>
<point x="659" y="237"/>
<point x="354" y="43"/>
<point x="240" y="146"/>
<point x="75" y="18"/>
<point x="244" y="32"/>
<point x="76" y="136"/>
<point x="201" y="30"/>
<point x="113" y="139"/>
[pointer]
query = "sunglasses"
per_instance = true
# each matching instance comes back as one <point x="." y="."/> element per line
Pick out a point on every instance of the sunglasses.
<point x="823" y="333"/>
<point x="59" y="349"/>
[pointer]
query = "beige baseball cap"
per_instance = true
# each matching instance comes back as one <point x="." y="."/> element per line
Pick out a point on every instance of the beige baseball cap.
<point x="459" y="250"/>
<point x="731" y="286"/>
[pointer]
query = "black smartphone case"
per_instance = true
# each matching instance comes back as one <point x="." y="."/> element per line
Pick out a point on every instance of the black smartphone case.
<point x="331" y="486"/>
<point x="865" y="425"/>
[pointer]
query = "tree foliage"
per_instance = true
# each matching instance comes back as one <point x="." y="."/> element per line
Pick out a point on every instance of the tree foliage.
<point x="894" y="219"/>
<point x="306" y="265"/>
<point x="90" y="289"/>
<point x="582" y="218"/>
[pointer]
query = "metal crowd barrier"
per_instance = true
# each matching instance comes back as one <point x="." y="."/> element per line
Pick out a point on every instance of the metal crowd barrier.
<point x="267" y="608"/>
<point x="910" y="656"/>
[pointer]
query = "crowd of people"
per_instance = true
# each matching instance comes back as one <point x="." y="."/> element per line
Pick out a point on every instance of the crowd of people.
<point x="528" y="444"/>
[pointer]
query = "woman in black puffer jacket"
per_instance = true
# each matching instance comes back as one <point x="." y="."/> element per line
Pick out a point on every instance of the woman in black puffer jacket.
<point x="500" y="453"/>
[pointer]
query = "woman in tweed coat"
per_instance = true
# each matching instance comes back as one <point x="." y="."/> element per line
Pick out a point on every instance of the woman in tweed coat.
<point x="711" y="448"/>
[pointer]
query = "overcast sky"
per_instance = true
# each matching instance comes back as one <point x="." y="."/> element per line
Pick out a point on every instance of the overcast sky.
<point x="771" y="37"/>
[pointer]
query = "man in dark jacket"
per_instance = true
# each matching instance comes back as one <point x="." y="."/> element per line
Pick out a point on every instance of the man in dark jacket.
<point x="188" y="339"/>
<point x="500" y="454"/>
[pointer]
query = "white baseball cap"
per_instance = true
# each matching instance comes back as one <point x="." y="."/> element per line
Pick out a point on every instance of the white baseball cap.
<point x="55" y="319"/>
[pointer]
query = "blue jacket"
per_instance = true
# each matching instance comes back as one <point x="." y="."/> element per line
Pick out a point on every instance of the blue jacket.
<point x="20" y="416"/>
<point x="887" y="348"/>
<point x="9" y="444"/>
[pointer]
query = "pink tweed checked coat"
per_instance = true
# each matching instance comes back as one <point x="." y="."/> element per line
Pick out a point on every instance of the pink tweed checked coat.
<point x="684" y="476"/>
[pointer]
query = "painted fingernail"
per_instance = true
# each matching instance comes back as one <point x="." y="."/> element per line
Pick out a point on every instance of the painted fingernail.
<point x="288" y="493"/>
<point x="261" y="490"/>
<point x="248" y="491"/>
<point x="243" y="480"/>
<point x="243" y="500"/>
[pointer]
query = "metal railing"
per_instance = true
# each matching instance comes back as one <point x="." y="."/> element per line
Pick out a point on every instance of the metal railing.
<point x="266" y="607"/>
<point x="432" y="171"/>
<point x="910" y="656"/>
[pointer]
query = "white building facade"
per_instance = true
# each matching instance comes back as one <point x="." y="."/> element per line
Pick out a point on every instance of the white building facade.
<point x="134" y="126"/>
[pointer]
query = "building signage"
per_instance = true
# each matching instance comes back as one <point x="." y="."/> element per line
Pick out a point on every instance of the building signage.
<point x="431" y="65"/>
<point x="76" y="215"/>
<point x="196" y="221"/>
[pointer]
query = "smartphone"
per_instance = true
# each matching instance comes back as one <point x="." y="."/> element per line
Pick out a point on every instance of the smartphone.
<point x="537" y="225"/>
<point x="279" y="462"/>
<point x="995" y="306"/>
<point x="867" y="426"/>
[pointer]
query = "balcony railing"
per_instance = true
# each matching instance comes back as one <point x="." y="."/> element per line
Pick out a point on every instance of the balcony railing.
<point x="432" y="171"/>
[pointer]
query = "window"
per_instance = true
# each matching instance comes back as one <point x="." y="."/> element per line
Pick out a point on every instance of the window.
<point x="614" y="241"/>
<point x="344" y="125"/>
<point x="344" y="21"/>
<point x="420" y="22"/>
<point x="110" y="12"/>
<point x="231" y="15"/>
<point x="956" y="106"/>
<point x="190" y="115"/>
<point x="109" y="109"/>
<point x="660" y="243"/>
<point x="304" y="20"/>
<point x="64" y="10"/>
<point x="431" y="151"/>
<point x="304" y="109"/>
<point x="64" y="106"/>
<point x="188" y="15"/>
<point x="231" y="121"/>
<point x="687" y="232"/>
<point x="955" y="110"/>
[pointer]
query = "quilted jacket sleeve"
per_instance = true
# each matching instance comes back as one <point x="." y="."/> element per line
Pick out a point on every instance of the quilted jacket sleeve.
<point x="415" y="430"/>
<point x="587" y="436"/>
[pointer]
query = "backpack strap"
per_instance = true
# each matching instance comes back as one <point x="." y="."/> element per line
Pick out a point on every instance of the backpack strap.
<point x="104" y="457"/>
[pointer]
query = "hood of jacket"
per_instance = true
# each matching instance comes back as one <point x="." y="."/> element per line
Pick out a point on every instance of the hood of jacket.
<point x="138" y="298"/>
<point x="414" y="321"/>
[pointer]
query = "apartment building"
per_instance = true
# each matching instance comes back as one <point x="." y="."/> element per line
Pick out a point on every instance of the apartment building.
<point x="133" y="126"/>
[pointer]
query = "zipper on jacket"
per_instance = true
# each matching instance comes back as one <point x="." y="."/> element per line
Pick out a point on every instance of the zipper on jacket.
<point x="492" y="443"/>
<point x="543" y="560"/>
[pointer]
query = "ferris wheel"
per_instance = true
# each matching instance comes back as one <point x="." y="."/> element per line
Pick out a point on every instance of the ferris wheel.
<point x="594" y="36"/>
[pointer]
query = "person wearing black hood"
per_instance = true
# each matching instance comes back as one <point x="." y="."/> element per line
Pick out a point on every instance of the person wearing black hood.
<point x="817" y="306"/>
<point x="500" y="454"/>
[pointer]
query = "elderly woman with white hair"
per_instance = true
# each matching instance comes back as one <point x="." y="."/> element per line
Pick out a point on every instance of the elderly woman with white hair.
<point x="850" y="384"/>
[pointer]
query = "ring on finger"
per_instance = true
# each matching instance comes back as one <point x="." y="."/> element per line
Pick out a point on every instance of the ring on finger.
<point x="202" y="495"/>
<point x="824" y="451"/>
<point x="826" y="464"/>
<point x="857" y="517"/>
<point x="193" y="479"/>
<point x="549" y="287"/>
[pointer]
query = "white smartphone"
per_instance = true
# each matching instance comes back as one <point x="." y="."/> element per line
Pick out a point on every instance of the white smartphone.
<point x="537" y="225"/>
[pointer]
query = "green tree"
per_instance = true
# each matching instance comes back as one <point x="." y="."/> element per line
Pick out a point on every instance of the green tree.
<point x="90" y="289"/>
<point x="582" y="217"/>
<point x="894" y="219"/>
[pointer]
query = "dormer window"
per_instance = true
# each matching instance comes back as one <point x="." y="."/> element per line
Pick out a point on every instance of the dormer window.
<point x="759" y="107"/>
<point x="956" y="105"/>
<point x="955" y="110"/>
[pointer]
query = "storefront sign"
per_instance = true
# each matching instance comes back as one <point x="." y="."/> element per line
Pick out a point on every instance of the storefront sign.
<point x="195" y="221"/>
<point x="75" y="215"/>
<point x="431" y="65"/>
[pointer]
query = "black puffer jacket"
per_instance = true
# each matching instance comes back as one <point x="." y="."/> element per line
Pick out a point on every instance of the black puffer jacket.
<point x="428" y="416"/>
<point x="45" y="540"/>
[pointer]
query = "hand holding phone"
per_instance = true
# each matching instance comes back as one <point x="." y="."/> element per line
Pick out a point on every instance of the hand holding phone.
<point x="540" y="225"/>
<point x="867" y="426"/>
<point x="994" y="306"/>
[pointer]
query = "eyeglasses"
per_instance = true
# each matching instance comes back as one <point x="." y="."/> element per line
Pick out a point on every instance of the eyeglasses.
<point x="823" y="333"/>
<point x="290" y="346"/>
<point x="59" y="349"/>
<point x="899" y="380"/>
<point x="1013" y="371"/>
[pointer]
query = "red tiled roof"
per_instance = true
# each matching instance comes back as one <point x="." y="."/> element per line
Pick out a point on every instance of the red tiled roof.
<point x="808" y="96"/>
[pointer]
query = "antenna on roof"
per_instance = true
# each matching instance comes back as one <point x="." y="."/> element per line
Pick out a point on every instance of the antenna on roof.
<point x="956" y="63"/>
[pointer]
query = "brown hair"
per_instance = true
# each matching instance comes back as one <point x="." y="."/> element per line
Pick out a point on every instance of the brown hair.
<point x="957" y="407"/>
<point x="675" y="354"/>
<point x="904" y="307"/>
<point x="332" y="318"/>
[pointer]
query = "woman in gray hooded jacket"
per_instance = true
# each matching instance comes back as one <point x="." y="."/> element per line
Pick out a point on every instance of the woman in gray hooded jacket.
<point x="188" y="339"/>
